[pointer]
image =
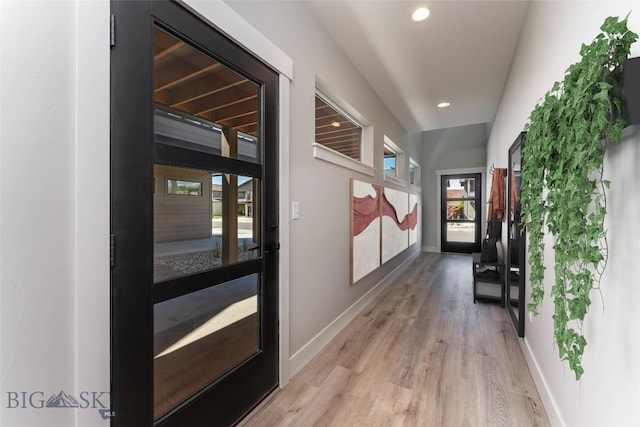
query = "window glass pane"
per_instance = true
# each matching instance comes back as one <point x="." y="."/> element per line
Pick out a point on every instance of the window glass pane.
<point x="201" y="104"/>
<point x="461" y="188"/>
<point x="461" y="210"/>
<point x="198" y="233"/>
<point x="390" y="160"/>
<point x="337" y="132"/>
<point x="184" y="188"/>
<point x="412" y="174"/>
<point x="463" y="232"/>
<point x="202" y="335"/>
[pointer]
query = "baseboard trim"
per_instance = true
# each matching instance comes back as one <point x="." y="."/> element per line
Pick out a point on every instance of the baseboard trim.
<point x="430" y="249"/>
<point x="550" y="404"/>
<point x="318" y="342"/>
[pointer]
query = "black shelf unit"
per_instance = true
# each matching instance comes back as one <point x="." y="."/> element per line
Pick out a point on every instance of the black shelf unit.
<point x="513" y="279"/>
<point x="488" y="280"/>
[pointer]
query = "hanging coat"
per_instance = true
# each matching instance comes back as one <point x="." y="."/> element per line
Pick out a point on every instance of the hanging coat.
<point x="496" y="197"/>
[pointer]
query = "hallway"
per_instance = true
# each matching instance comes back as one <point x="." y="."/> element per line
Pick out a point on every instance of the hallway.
<point x="422" y="354"/>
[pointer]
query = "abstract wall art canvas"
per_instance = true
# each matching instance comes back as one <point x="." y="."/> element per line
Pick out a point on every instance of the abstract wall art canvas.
<point x="395" y="223"/>
<point x="414" y="219"/>
<point x="384" y="222"/>
<point x="365" y="228"/>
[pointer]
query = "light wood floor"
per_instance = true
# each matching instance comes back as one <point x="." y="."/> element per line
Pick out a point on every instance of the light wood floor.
<point x="422" y="354"/>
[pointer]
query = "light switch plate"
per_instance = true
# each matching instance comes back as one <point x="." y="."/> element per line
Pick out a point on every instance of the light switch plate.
<point x="295" y="210"/>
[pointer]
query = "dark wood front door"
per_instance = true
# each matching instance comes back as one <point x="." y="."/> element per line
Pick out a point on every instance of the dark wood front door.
<point x="194" y="211"/>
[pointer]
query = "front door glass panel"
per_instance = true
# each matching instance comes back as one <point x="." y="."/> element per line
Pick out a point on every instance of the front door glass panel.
<point x="461" y="212"/>
<point x="201" y="103"/>
<point x="461" y="232"/>
<point x="207" y="213"/>
<point x="203" y="220"/>
<point x="200" y="336"/>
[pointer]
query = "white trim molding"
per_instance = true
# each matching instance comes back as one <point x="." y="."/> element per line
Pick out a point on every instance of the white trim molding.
<point x="328" y="155"/>
<point x="415" y="188"/>
<point x="219" y="15"/>
<point x="550" y="404"/>
<point x="393" y="180"/>
<point x="285" y="252"/>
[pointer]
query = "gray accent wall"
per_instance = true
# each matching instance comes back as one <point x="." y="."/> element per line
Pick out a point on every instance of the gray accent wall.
<point x="452" y="148"/>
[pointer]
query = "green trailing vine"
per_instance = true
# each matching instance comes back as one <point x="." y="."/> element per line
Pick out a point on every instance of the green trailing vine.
<point x="563" y="186"/>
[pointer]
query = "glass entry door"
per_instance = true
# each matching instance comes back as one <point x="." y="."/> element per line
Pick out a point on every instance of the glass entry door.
<point x="461" y="204"/>
<point x="194" y="208"/>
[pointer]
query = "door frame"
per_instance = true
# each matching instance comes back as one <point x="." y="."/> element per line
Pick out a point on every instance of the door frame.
<point x="226" y="20"/>
<point x="483" y="190"/>
<point x="241" y="32"/>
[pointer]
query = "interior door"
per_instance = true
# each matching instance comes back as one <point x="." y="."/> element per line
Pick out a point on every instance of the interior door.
<point x="461" y="202"/>
<point x="194" y="221"/>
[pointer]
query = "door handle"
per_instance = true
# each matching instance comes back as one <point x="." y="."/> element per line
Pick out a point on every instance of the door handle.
<point x="272" y="247"/>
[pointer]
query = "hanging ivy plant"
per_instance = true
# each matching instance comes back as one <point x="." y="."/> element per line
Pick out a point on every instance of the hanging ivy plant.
<point x="562" y="185"/>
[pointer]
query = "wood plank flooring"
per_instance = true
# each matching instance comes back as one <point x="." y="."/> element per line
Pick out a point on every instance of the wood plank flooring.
<point x="422" y="354"/>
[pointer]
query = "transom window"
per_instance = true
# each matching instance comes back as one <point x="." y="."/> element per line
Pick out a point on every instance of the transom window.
<point x="414" y="172"/>
<point x="394" y="161"/>
<point x="390" y="162"/>
<point x="336" y="130"/>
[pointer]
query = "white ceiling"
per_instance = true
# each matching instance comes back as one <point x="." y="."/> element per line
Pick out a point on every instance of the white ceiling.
<point x="462" y="54"/>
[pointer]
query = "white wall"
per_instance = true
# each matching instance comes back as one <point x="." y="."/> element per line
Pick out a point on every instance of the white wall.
<point x="319" y="273"/>
<point x="54" y="208"/>
<point x="609" y="391"/>
<point x="453" y="148"/>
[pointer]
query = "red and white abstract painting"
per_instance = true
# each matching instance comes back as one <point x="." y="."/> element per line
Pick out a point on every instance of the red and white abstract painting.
<point x="365" y="228"/>
<point x="395" y="223"/>
<point x="414" y="219"/>
<point x="384" y="222"/>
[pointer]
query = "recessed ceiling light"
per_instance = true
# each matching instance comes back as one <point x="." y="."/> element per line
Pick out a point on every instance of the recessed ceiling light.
<point x="444" y="104"/>
<point x="335" y="124"/>
<point x="420" y="14"/>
